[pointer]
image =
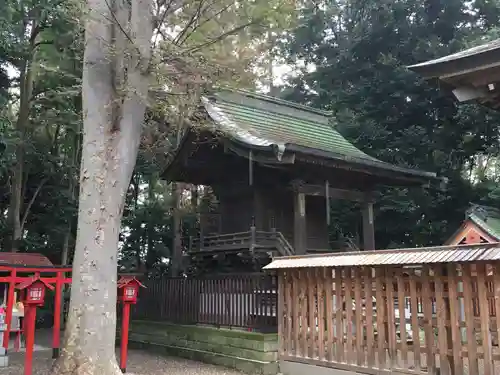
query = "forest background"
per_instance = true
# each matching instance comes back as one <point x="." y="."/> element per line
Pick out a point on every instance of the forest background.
<point x="349" y="57"/>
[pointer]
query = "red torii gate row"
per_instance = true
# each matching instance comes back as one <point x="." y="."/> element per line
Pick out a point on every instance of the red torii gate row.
<point x="55" y="276"/>
<point x="58" y="281"/>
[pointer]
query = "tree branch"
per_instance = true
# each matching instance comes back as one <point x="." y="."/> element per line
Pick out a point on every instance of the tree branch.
<point x="161" y="20"/>
<point x="221" y="37"/>
<point x="218" y="13"/>
<point x="55" y="141"/>
<point x="118" y="23"/>
<point x="196" y="16"/>
<point x="42" y="42"/>
<point x="32" y="200"/>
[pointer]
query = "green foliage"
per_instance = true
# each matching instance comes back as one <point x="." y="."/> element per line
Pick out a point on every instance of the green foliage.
<point x="360" y="50"/>
<point x="194" y="48"/>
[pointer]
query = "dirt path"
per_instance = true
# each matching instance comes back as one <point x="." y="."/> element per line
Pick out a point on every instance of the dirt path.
<point x="139" y="363"/>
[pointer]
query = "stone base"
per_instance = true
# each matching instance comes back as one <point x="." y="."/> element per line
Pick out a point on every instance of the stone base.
<point x="249" y="352"/>
<point x="4" y="361"/>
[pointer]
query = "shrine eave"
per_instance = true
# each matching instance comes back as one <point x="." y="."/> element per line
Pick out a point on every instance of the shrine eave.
<point x="293" y="154"/>
<point x="470" y="75"/>
<point x="278" y="132"/>
<point x="483" y="55"/>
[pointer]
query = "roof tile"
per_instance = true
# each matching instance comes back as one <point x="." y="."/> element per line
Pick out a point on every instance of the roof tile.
<point x="25" y="259"/>
<point x="260" y="120"/>
<point x="417" y="256"/>
<point x="278" y="121"/>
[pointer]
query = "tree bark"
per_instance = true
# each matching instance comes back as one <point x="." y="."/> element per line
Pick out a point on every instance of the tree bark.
<point x="72" y="185"/>
<point x="15" y="231"/>
<point x="113" y="108"/>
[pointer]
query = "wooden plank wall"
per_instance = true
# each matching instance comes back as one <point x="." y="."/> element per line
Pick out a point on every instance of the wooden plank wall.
<point x="236" y="301"/>
<point x="453" y="332"/>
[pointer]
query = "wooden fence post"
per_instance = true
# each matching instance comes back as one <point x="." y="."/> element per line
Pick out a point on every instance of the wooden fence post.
<point x="449" y="337"/>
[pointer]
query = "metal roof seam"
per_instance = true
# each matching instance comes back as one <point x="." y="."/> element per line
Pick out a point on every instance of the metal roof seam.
<point x="442" y="254"/>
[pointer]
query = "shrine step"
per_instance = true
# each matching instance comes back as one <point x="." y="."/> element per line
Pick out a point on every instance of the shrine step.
<point x="249" y="352"/>
<point x="245" y="365"/>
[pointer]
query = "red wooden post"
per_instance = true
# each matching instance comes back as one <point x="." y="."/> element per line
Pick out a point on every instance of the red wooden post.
<point x="124" y="338"/>
<point x="23" y="323"/>
<point x="56" y="330"/>
<point x="128" y="288"/>
<point x="10" y="305"/>
<point x="30" y="316"/>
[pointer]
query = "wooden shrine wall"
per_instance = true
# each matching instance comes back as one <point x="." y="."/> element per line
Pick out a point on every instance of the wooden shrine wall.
<point x="392" y="320"/>
<point x="271" y="208"/>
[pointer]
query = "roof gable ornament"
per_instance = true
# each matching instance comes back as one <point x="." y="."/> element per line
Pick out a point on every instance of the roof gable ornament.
<point x="279" y="150"/>
<point x="297" y="184"/>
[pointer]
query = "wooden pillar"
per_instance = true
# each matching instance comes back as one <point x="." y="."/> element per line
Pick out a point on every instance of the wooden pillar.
<point x="10" y="305"/>
<point x="56" y="328"/>
<point x="448" y="315"/>
<point x="368" y="226"/>
<point x="299" y="222"/>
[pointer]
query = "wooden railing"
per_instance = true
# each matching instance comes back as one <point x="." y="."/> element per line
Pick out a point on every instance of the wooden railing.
<point x="283" y="245"/>
<point x="222" y="241"/>
<point x="243" y="300"/>
<point x="343" y="245"/>
<point x="257" y="241"/>
<point x="252" y="240"/>
<point x="392" y="320"/>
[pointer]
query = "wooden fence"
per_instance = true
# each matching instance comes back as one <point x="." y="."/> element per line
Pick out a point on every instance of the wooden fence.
<point x="245" y="301"/>
<point x="352" y="318"/>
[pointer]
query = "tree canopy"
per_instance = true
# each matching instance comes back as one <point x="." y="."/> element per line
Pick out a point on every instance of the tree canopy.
<point x="348" y="57"/>
<point x="359" y="51"/>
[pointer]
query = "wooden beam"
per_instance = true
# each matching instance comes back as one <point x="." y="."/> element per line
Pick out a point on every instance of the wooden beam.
<point x="320" y="190"/>
<point x="250" y="168"/>
<point x="327" y="202"/>
<point x="299" y="223"/>
<point x="368" y="226"/>
<point x="468" y="93"/>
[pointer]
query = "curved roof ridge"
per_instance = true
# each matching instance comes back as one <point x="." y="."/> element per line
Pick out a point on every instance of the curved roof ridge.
<point x="469" y="52"/>
<point x="279" y="101"/>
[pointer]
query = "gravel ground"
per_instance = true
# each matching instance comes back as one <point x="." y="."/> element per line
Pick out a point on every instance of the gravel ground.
<point x="139" y="363"/>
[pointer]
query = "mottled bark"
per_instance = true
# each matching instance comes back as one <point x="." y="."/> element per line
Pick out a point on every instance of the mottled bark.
<point x="72" y="185"/>
<point x="113" y="108"/>
<point x="15" y="230"/>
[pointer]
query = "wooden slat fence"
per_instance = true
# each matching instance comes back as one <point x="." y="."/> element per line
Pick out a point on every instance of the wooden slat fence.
<point x="244" y="300"/>
<point x="352" y="318"/>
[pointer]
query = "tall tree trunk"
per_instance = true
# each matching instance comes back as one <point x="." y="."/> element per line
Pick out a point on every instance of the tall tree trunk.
<point x="72" y="194"/>
<point x="273" y="90"/>
<point x="113" y="108"/>
<point x="177" y="189"/>
<point x="15" y="231"/>
<point x="14" y="234"/>
<point x="150" y="229"/>
<point x="194" y="198"/>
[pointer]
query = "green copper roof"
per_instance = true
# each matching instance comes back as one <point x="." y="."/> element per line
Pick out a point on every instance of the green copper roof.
<point x="262" y="121"/>
<point x="487" y="218"/>
<point x="279" y="122"/>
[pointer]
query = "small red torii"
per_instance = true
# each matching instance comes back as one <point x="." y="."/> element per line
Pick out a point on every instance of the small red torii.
<point x="21" y="267"/>
<point x="30" y="271"/>
<point x="34" y="296"/>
